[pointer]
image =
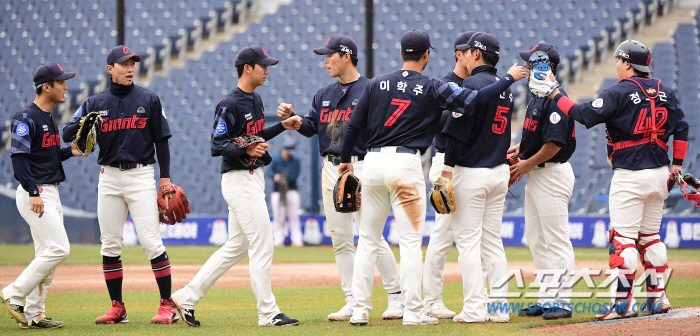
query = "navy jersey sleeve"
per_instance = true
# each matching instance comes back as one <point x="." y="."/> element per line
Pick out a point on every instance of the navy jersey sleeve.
<point x="159" y="124"/>
<point x="682" y="123"/>
<point x="71" y="128"/>
<point x="593" y="113"/>
<point x="358" y="118"/>
<point x="222" y="132"/>
<point x="556" y="127"/>
<point x="310" y="121"/>
<point x="457" y="125"/>
<point x="23" y="129"/>
<point x="452" y="97"/>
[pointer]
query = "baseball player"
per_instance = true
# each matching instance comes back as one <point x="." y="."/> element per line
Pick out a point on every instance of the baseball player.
<point x="442" y="236"/>
<point x="405" y="107"/>
<point x="36" y="160"/>
<point x="476" y="157"/>
<point x="133" y="121"/>
<point x="329" y="118"/>
<point x="243" y="187"/>
<point x="285" y="198"/>
<point x="546" y="145"/>
<point x="640" y="115"/>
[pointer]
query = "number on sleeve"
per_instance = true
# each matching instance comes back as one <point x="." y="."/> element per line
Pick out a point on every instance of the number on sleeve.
<point x="402" y="105"/>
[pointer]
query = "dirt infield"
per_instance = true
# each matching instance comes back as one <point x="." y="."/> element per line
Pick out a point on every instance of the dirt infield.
<point x="89" y="278"/>
<point x="682" y="321"/>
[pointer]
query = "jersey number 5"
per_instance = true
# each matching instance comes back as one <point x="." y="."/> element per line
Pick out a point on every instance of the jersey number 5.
<point x="500" y="121"/>
<point x="403" y="104"/>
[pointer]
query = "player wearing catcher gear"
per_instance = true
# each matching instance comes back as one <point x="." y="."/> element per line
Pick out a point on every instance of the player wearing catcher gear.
<point x="442" y="236"/>
<point x="36" y="160"/>
<point x="241" y="114"/>
<point x="405" y="107"/>
<point x="133" y="120"/>
<point x="475" y="162"/>
<point x="329" y="117"/>
<point x="640" y="115"/>
<point x="547" y="143"/>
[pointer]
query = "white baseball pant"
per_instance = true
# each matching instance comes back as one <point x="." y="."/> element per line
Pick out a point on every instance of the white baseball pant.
<point x="547" y="195"/>
<point x="288" y="214"/>
<point x="128" y="191"/>
<point x="391" y="180"/>
<point x="343" y="236"/>
<point x="250" y="234"/>
<point x="480" y="194"/>
<point x="51" y="247"/>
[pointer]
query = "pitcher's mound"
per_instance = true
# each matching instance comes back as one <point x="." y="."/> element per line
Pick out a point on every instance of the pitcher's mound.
<point x="678" y="321"/>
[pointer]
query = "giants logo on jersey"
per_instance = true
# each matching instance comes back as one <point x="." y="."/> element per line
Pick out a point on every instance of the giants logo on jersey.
<point x="530" y="124"/>
<point x="254" y="127"/>
<point x="124" y="123"/>
<point x="50" y="140"/>
<point x="337" y="115"/>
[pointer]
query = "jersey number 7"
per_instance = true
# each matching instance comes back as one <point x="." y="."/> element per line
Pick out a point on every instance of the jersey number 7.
<point x="403" y="104"/>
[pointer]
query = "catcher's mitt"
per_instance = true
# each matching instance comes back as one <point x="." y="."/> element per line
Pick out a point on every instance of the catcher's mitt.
<point x="347" y="193"/>
<point x="442" y="197"/>
<point x="244" y="141"/>
<point x="688" y="184"/>
<point x="86" y="139"/>
<point x="178" y="206"/>
<point x="541" y="80"/>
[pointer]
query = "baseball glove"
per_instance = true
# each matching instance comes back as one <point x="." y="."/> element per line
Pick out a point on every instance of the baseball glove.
<point x="442" y="197"/>
<point x="347" y="193"/>
<point x="244" y="141"/>
<point x="86" y="139"/>
<point x="512" y="160"/>
<point x="178" y="206"/>
<point x="541" y="80"/>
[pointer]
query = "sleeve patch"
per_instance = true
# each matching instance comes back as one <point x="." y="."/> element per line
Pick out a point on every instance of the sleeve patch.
<point x="598" y="103"/>
<point x="22" y="129"/>
<point x="554" y="118"/>
<point x="221" y="127"/>
<point x="77" y="114"/>
<point x="456" y="88"/>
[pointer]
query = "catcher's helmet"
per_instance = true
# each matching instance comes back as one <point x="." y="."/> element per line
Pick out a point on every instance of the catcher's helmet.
<point x="636" y="54"/>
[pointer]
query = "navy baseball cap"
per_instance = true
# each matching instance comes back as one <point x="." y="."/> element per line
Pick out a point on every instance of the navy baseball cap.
<point x="415" y="41"/>
<point x="462" y="40"/>
<point x="120" y="54"/>
<point x="254" y="54"/>
<point x="484" y="42"/>
<point x="546" y="48"/>
<point x="48" y="72"/>
<point x="338" y="43"/>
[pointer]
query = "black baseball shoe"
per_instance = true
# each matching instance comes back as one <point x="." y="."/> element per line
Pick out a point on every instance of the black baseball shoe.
<point x="280" y="320"/>
<point x="531" y="311"/>
<point x="188" y="316"/>
<point x="557" y="314"/>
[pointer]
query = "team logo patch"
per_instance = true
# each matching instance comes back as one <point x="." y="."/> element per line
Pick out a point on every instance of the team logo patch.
<point x="554" y="118"/>
<point x="651" y="91"/>
<point x="249" y="116"/>
<point x="456" y="114"/>
<point x="456" y="88"/>
<point x="534" y="112"/>
<point x="405" y="74"/>
<point x="354" y="102"/>
<point x="22" y="129"/>
<point x="326" y="103"/>
<point x="45" y="127"/>
<point x="104" y="113"/>
<point x="221" y="127"/>
<point x="77" y="114"/>
<point x="41" y="190"/>
<point x="345" y="49"/>
<point x="140" y="110"/>
<point x="598" y="103"/>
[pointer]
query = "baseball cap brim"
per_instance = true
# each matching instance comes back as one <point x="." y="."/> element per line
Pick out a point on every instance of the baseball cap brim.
<point x="461" y="47"/>
<point x="525" y="55"/>
<point x="123" y="59"/>
<point x="268" y="61"/>
<point x="324" y="51"/>
<point x="65" y="76"/>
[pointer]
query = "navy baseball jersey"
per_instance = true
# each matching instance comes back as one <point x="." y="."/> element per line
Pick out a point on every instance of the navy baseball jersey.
<point x="329" y="116"/>
<point x="237" y="114"/>
<point x="441" y="139"/>
<point x="35" y="134"/>
<point x="133" y="120"/>
<point x="545" y="122"/>
<point x="640" y="115"/>
<point x="486" y="133"/>
<point x="405" y="107"/>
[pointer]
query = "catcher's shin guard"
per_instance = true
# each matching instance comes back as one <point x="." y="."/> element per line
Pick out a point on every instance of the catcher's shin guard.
<point x="623" y="263"/>
<point x="652" y="253"/>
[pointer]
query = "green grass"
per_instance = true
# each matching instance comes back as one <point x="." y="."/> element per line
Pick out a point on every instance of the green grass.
<point x="22" y="254"/>
<point x="233" y="312"/>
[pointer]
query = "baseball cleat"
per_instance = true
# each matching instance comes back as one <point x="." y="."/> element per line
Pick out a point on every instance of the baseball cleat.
<point x="187" y="315"/>
<point x="45" y="323"/>
<point x="16" y="311"/>
<point x="166" y="314"/>
<point x="423" y="320"/>
<point x="361" y="320"/>
<point x="117" y="314"/>
<point x="460" y="319"/>
<point x="438" y="310"/>
<point x="498" y="318"/>
<point x="344" y="313"/>
<point x="557" y="314"/>
<point x="621" y="308"/>
<point x="532" y="311"/>
<point x="660" y="305"/>
<point x="394" y="309"/>
<point x="280" y="320"/>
